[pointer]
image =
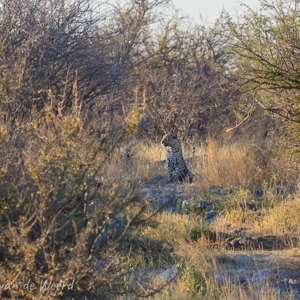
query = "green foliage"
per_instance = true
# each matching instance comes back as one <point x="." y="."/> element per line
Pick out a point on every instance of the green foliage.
<point x="266" y="46"/>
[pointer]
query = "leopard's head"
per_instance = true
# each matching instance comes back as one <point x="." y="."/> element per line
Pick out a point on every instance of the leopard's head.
<point x="169" y="139"/>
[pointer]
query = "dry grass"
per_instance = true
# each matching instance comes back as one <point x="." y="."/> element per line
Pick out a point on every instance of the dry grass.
<point x="150" y="152"/>
<point x="138" y="162"/>
<point x="234" y="292"/>
<point x="283" y="219"/>
<point x="280" y="219"/>
<point x="222" y="164"/>
<point x="227" y="165"/>
<point x="171" y="229"/>
<point x="143" y="160"/>
<point x="213" y="164"/>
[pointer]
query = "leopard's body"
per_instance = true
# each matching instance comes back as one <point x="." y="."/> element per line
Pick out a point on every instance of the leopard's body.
<point x="177" y="168"/>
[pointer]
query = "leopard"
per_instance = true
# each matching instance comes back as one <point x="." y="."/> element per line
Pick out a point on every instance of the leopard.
<point x="176" y="165"/>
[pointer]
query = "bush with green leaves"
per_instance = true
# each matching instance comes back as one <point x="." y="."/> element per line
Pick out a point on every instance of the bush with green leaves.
<point x="265" y="43"/>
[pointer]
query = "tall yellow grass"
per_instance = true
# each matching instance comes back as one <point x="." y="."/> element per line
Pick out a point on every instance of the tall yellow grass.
<point x="283" y="219"/>
<point x="227" y="165"/>
<point x="213" y="164"/>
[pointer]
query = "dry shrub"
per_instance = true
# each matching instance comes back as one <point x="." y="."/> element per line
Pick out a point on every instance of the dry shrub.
<point x="227" y="165"/>
<point x="283" y="218"/>
<point x="62" y="217"/>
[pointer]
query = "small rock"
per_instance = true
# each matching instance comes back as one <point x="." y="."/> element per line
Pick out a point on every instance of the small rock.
<point x="286" y="275"/>
<point x="210" y="216"/>
<point x="296" y="293"/>
<point x="235" y="232"/>
<point x="243" y="259"/>
<point x="260" y="256"/>
<point x="226" y="278"/>
<point x="239" y="242"/>
<point x="203" y="205"/>
<point x="219" y="190"/>
<point x="185" y="205"/>
<point x="168" y="274"/>
<point x="293" y="281"/>
<point x="250" y="206"/>
<point x="235" y="243"/>
<point x="244" y="241"/>
<point x="258" y="193"/>
<point x="244" y="275"/>
<point x="171" y="210"/>
<point x="263" y="276"/>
